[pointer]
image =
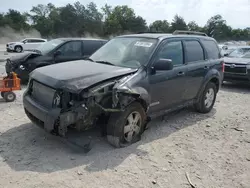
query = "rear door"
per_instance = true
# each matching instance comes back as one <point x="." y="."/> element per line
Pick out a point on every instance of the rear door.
<point x="69" y="51"/>
<point x="166" y="87"/>
<point x="197" y="67"/>
<point x="90" y="46"/>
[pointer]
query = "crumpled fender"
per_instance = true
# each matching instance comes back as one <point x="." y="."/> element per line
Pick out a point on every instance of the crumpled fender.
<point x="138" y="93"/>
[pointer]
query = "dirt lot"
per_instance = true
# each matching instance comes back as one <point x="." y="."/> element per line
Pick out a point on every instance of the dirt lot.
<point x="213" y="149"/>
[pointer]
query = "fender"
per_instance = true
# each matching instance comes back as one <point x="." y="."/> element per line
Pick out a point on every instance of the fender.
<point x="212" y="74"/>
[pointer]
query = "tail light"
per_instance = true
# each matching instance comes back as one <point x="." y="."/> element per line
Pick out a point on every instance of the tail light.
<point x="223" y="66"/>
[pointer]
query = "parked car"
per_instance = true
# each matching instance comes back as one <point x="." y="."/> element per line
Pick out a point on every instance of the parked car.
<point x="52" y="52"/>
<point x="25" y="44"/>
<point x="125" y="83"/>
<point x="237" y="65"/>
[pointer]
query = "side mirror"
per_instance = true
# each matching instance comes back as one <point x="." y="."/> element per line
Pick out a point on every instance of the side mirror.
<point x="24" y="42"/>
<point x="163" y="64"/>
<point x="57" y="53"/>
<point x="225" y="55"/>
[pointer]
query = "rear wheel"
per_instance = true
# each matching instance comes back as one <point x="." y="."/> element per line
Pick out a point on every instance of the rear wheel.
<point x="125" y="128"/>
<point x="207" y="99"/>
<point x="9" y="96"/>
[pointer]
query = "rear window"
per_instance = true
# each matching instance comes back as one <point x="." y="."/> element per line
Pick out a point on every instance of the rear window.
<point x="90" y="46"/>
<point x="194" y="51"/>
<point x="212" y="49"/>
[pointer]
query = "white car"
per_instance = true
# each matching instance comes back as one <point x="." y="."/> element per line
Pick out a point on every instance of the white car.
<point x="25" y="44"/>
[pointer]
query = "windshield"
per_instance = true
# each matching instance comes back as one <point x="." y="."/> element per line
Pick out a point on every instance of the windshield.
<point x="129" y="52"/>
<point x="239" y="52"/>
<point x="247" y="55"/>
<point x="48" y="46"/>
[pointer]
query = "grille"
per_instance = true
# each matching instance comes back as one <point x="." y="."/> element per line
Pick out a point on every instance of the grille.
<point x="235" y="68"/>
<point x="42" y="94"/>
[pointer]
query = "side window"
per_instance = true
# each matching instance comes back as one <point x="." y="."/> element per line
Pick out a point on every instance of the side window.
<point x="32" y="40"/>
<point x="172" y="50"/>
<point x="37" y="40"/>
<point x="27" y="41"/>
<point x="73" y="48"/>
<point x="212" y="49"/>
<point x="194" y="51"/>
<point x="90" y="46"/>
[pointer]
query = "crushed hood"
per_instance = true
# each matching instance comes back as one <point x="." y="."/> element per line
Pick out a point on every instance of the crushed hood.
<point x="22" y="57"/>
<point x="237" y="60"/>
<point x="75" y="76"/>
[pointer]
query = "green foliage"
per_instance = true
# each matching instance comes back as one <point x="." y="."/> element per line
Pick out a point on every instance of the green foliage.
<point x="84" y="20"/>
<point x="161" y="26"/>
<point x="178" y="23"/>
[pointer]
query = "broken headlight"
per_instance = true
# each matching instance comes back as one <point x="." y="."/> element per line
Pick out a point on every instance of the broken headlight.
<point x="57" y="100"/>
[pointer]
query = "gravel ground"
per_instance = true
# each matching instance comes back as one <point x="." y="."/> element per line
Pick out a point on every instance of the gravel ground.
<point x="213" y="149"/>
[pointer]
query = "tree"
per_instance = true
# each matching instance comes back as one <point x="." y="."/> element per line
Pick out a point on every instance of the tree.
<point x="16" y="20"/>
<point x="87" y="20"/>
<point x="123" y="19"/>
<point x="214" y="26"/>
<point x="193" y="26"/>
<point x="178" y="23"/>
<point x="160" y="26"/>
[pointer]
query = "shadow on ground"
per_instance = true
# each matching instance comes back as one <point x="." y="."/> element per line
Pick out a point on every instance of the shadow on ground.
<point x="29" y="148"/>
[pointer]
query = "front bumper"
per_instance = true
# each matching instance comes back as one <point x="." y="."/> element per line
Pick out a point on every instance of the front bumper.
<point x="232" y="77"/>
<point x="48" y="119"/>
<point x="10" y="48"/>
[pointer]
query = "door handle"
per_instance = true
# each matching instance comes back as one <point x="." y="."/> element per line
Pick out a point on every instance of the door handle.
<point x="206" y="67"/>
<point x="181" y="73"/>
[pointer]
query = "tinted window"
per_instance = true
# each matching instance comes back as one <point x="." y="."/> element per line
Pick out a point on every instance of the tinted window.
<point x="194" y="51"/>
<point x="73" y="48"/>
<point x="37" y="40"/>
<point x="212" y="49"/>
<point x="173" y="51"/>
<point x="90" y="46"/>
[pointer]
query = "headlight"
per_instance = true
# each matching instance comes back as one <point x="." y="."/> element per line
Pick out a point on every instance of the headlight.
<point x="248" y="66"/>
<point x="57" y="100"/>
<point x="22" y="67"/>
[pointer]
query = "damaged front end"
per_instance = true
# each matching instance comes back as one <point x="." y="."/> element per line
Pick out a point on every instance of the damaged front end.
<point x="64" y="109"/>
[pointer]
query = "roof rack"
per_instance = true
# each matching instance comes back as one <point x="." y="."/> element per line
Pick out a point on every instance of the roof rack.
<point x="149" y="32"/>
<point x="179" y="32"/>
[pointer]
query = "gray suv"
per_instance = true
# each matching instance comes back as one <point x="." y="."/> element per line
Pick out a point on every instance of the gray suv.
<point x="125" y="83"/>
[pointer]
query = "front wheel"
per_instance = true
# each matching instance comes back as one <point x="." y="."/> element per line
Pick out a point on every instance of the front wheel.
<point x="125" y="128"/>
<point x="207" y="99"/>
<point x="18" y="49"/>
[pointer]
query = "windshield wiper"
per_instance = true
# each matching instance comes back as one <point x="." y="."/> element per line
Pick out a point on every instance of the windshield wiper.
<point x="105" y="62"/>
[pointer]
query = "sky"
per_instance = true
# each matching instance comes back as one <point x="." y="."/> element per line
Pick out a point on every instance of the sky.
<point x="235" y="12"/>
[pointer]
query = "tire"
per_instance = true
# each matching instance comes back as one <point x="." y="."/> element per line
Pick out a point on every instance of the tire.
<point x="2" y="94"/>
<point x="18" y="49"/>
<point x="207" y="99"/>
<point x="116" y="134"/>
<point x="9" y="96"/>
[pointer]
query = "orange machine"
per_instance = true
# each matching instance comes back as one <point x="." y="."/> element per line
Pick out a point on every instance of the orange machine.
<point x="9" y="84"/>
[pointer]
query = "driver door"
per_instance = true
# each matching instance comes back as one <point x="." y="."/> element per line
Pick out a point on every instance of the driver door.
<point x="167" y="87"/>
<point x="69" y="51"/>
